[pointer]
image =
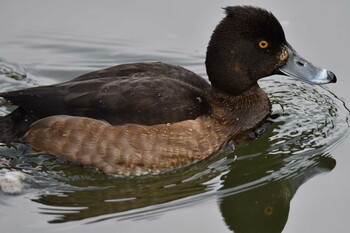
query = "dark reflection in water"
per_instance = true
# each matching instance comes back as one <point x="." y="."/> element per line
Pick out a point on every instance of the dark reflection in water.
<point x="250" y="198"/>
<point x="104" y="196"/>
<point x="264" y="206"/>
<point x="254" y="184"/>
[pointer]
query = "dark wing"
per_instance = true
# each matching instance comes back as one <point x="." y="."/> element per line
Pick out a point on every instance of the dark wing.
<point x="143" y="93"/>
<point x="158" y="68"/>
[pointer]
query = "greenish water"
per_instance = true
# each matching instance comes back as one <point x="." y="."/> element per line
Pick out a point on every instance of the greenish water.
<point x="251" y="189"/>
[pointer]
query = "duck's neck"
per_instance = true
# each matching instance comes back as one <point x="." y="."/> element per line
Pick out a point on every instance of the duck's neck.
<point x="240" y="113"/>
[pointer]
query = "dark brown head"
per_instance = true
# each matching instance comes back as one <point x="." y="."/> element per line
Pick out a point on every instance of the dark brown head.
<point x="249" y="44"/>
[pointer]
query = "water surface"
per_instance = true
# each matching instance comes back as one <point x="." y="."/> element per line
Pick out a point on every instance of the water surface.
<point x="247" y="190"/>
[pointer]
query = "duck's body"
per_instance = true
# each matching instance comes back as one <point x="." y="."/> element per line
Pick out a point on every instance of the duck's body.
<point x="134" y="149"/>
<point x="151" y="117"/>
<point x="137" y="135"/>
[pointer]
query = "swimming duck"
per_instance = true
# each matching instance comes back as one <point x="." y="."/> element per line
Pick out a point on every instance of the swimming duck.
<point x="148" y="118"/>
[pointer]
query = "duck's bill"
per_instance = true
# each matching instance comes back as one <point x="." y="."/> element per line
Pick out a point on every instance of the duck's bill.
<point x="300" y="68"/>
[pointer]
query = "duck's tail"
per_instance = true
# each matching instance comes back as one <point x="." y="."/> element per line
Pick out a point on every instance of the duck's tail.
<point x="14" y="125"/>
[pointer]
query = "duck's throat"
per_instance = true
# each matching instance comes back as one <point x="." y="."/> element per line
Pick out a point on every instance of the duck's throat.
<point x="241" y="113"/>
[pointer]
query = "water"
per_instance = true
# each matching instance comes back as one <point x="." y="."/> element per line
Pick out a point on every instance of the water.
<point x="252" y="189"/>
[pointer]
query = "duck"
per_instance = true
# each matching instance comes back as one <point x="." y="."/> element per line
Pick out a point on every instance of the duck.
<point x="150" y="118"/>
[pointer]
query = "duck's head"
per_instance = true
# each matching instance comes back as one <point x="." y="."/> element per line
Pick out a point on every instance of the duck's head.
<point x="249" y="44"/>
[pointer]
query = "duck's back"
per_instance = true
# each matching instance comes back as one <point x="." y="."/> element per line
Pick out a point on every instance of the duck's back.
<point x="141" y="93"/>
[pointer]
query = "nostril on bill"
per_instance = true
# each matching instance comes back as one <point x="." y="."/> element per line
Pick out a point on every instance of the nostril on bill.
<point x="300" y="63"/>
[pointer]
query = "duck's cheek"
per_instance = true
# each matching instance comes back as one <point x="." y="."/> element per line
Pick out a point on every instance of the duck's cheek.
<point x="282" y="57"/>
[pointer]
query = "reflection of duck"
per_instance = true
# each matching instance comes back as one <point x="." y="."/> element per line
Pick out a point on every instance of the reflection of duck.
<point x="163" y="116"/>
<point x="256" y="200"/>
<point x="265" y="208"/>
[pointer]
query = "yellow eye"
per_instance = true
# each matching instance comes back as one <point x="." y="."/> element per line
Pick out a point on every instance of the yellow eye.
<point x="263" y="44"/>
<point x="268" y="210"/>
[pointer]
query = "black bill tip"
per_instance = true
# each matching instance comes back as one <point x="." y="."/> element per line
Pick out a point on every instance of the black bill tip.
<point x="331" y="76"/>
